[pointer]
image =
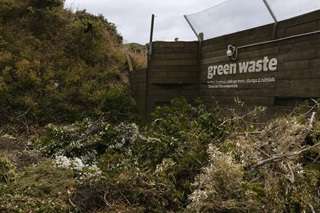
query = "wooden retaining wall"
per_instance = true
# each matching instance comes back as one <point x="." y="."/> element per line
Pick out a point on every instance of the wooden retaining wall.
<point x="273" y="72"/>
<point x="173" y="71"/>
<point x="296" y="49"/>
<point x="138" y="80"/>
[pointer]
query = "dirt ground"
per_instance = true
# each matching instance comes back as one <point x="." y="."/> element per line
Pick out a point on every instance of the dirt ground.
<point x="9" y="146"/>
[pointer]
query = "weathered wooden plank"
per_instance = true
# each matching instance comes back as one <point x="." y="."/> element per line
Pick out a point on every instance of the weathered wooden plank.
<point x="298" y="74"/>
<point x="175" y="47"/>
<point x="258" y="34"/>
<point x="171" y="95"/>
<point x="173" y="80"/>
<point x="278" y="88"/>
<point x="213" y="60"/>
<point x="298" y="29"/>
<point x="174" y="56"/>
<point x="173" y="74"/>
<point x="175" y="62"/>
<point x="173" y="92"/>
<point x="174" y="86"/>
<point x="165" y="68"/>
<point x="300" y="20"/>
<point x="179" y="44"/>
<point x="175" y="50"/>
<point x="304" y="64"/>
<point x="270" y="48"/>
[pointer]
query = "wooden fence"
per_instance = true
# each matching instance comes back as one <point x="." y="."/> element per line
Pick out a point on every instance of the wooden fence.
<point x="272" y="72"/>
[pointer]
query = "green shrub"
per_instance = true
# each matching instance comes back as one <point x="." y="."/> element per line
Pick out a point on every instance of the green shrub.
<point x="54" y="71"/>
<point x="7" y="171"/>
<point x="180" y="132"/>
<point x="134" y="190"/>
<point x="38" y="188"/>
<point x="86" y="139"/>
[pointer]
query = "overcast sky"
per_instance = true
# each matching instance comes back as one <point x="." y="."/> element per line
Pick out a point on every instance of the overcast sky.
<point x="133" y="17"/>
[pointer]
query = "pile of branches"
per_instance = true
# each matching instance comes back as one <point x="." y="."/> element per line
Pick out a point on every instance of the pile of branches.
<point x="275" y="168"/>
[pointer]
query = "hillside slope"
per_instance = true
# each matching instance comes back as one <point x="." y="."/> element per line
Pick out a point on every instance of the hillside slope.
<point x="59" y="66"/>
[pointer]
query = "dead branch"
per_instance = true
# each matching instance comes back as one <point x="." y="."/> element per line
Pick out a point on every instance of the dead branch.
<point x="286" y="155"/>
<point x="316" y="159"/>
<point x="72" y="204"/>
<point x="104" y="198"/>
<point x="312" y="120"/>
<point x="311" y="208"/>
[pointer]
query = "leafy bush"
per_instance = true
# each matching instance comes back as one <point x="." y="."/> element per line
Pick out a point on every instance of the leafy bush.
<point x="86" y="139"/>
<point x="7" y="171"/>
<point x="55" y="70"/>
<point x="134" y="190"/>
<point x="138" y="55"/>
<point x="44" y="180"/>
<point x="186" y="160"/>
<point x="180" y="133"/>
<point x="40" y="188"/>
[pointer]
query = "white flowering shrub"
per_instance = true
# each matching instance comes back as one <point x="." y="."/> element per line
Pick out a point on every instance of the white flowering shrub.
<point x="126" y="135"/>
<point x="86" y="140"/>
<point x="76" y="164"/>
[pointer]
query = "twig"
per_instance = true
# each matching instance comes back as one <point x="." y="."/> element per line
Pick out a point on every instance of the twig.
<point x="287" y="155"/>
<point x="313" y="107"/>
<point x="311" y="208"/>
<point x="124" y="197"/>
<point x="312" y="120"/>
<point x="105" y="200"/>
<point x="292" y="175"/>
<point x="316" y="159"/>
<point x="23" y="114"/>
<point x="121" y="194"/>
<point x="314" y="101"/>
<point x="72" y="204"/>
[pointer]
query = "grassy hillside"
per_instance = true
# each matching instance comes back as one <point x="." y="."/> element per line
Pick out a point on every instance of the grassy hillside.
<point x="59" y="66"/>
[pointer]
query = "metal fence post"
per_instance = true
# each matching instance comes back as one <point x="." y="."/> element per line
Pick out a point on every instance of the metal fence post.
<point x="273" y="17"/>
<point x="194" y="31"/>
<point x="151" y="35"/>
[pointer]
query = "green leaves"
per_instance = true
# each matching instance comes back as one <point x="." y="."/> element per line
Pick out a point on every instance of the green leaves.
<point x="181" y="129"/>
<point x="180" y="134"/>
<point x="55" y="71"/>
<point x="182" y="161"/>
<point x="7" y="171"/>
<point x="46" y="3"/>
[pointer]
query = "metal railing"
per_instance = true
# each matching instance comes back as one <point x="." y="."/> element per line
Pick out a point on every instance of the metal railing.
<point x="236" y="15"/>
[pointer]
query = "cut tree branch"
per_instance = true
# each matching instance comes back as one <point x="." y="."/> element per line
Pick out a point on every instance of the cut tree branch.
<point x="286" y="155"/>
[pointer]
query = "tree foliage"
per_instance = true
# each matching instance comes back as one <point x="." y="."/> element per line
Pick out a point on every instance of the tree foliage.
<point x="59" y="66"/>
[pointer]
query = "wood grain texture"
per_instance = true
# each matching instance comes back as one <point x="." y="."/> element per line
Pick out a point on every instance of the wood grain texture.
<point x="178" y="69"/>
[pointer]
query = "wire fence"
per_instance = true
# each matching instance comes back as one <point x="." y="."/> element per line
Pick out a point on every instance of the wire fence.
<point x="236" y="15"/>
<point x="172" y="28"/>
<point x="229" y="17"/>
